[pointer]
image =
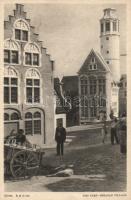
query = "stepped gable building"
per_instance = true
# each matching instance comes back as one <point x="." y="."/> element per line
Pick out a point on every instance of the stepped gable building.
<point x="100" y="73"/>
<point x="28" y="81"/>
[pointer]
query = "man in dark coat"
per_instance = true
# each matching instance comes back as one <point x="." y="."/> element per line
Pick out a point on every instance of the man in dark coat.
<point x="60" y="137"/>
<point x="20" y="137"/>
<point x="114" y="136"/>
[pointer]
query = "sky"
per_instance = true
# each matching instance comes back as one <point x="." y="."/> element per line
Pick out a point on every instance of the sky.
<point x="70" y="31"/>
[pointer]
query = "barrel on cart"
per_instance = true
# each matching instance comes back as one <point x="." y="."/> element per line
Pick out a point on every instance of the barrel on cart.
<point x="21" y="161"/>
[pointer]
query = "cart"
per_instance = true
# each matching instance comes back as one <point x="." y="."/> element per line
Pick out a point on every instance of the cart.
<point x="21" y="161"/>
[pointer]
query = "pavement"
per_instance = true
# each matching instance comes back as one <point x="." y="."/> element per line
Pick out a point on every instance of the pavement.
<point x="96" y="166"/>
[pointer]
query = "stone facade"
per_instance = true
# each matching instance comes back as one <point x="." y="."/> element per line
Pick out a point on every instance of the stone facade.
<point x="28" y="81"/>
<point x="94" y="82"/>
<point x="100" y="73"/>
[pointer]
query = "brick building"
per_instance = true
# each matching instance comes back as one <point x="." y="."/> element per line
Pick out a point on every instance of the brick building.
<point x="28" y="81"/>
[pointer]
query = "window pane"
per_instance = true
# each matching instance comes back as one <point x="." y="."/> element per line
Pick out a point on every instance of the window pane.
<point x="37" y="115"/>
<point x="6" y="117"/>
<point x="29" y="95"/>
<point x="28" y="115"/>
<point x="6" y="81"/>
<point x="28" y="58"/>
<point x="36" y="82"/>
<point x="14" y="95"/>
<point x="13" y="81"/>
<point x="6" y="94"/>
<point x="37" y="126"/>
<point x="6" y="56"/>
<point x="14" y="57"/>
<point x="35" y="59"/>
<point x="36" y="94"/>
<point x="107" y="26"/>
<point x="114" y="26"/>
<point x="95" y="66"/>
<point x="28" y="128"/>
<point x="29" y="82"/>
<point x="17" y="34"/>
<point x="101" y="27"/>
<point x="25" y="35"/>
<point x="90" y="67"/>
<point x="14" y="116"/>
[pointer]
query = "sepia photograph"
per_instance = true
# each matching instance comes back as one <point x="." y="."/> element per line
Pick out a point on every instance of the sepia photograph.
<point x="65" y="97"/>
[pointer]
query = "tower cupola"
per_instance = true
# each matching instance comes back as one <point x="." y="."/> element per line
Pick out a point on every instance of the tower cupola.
<point x="109" y="40"/>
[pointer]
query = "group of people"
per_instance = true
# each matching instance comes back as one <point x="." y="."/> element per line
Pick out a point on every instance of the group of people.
<point x="60" y="134"/>
<point x="118" y="131"/>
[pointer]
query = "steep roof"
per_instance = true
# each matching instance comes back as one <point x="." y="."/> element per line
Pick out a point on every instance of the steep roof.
<point x="100" y="60"/>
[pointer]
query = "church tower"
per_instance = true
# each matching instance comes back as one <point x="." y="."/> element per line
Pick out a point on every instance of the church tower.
<point x="109" y="40"/>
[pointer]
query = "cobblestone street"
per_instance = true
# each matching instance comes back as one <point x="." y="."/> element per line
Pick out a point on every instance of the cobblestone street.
<point x="97" y="167"/>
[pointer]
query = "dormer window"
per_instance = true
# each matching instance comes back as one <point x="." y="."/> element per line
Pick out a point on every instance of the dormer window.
<point x="11" y="52"/>
<point x="92" y="66"/>
<point x="21" y="30"/>
<point x="93" y="60"/>
<point x="95" y="66"/>
<point x="32" y="54"/>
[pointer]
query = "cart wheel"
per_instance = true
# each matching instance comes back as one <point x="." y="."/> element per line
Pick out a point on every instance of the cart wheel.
<point x="24" y="164"/>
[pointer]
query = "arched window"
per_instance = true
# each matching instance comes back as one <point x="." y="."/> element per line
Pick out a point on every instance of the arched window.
<point x="14" y="116"/>
<point x="37" y="123"/>
<point x="84" y="85"/>
<point x="11" y="52"/>
<point x="92" y="64"/>
<point x="28" y="115"/>
<point x="32" y="54"/>
<point x="10" y="85"/>
<point x="37" y="115"/>
<point x="21" y="30"/>
<point x="6" y="117"/>
<point x="32" y="86"/>
<point x="32" y="123"/>
<point x="28" y="123"/>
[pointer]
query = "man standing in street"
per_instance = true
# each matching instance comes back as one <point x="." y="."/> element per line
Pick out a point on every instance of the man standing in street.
<point x="114" y="136"/>
<point x="60" y="137"/>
